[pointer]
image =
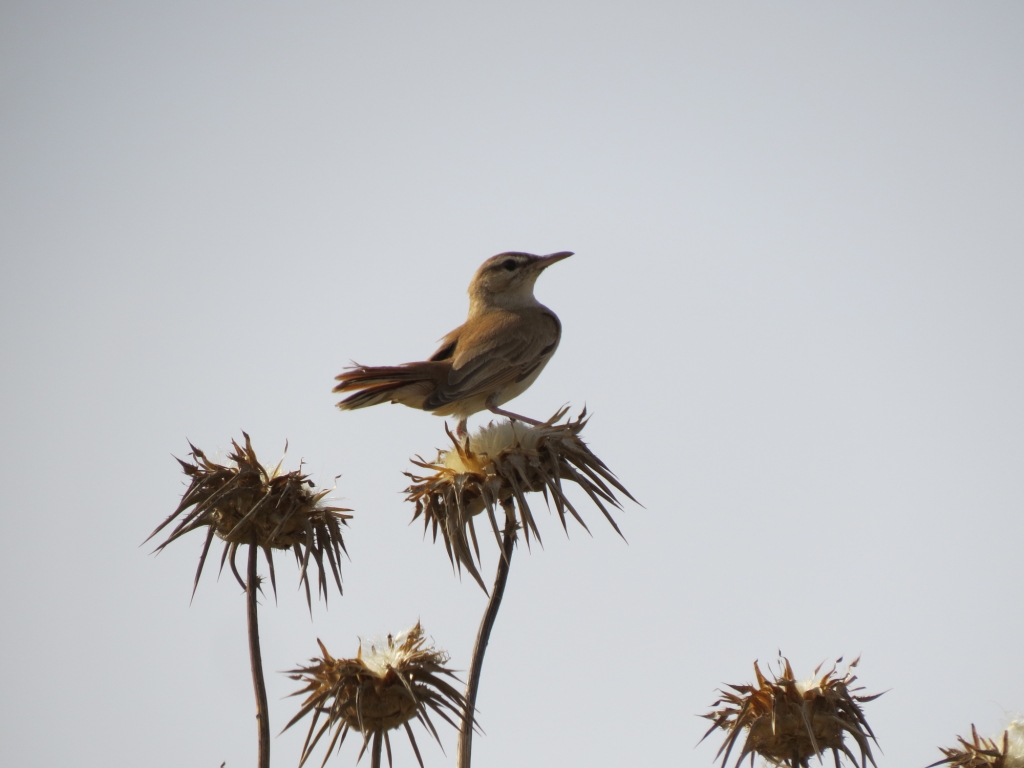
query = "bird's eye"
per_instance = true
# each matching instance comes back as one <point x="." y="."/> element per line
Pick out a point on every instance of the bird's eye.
<point x="510" y="264"/>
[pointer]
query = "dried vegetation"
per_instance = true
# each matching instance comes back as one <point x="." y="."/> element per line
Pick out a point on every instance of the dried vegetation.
<point x="505" y="461"/>
<point x="245" y="503"/>
<point x="787" y="722"/>
<point x="379" y="690"/>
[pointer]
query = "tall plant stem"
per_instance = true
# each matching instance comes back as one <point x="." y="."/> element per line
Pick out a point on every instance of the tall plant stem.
<point x="256" y="661"/>
<point x="375" y="753"/>
<point x="483" y="635"/>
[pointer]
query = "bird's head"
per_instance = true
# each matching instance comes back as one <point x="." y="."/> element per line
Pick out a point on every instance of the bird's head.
<point x="506" y="280"/>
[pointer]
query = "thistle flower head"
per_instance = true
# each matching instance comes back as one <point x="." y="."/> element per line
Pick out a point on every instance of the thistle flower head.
<point x="788" y="721"/>
<point x="499" y="464"/>
<point x="387" y="685"/>
<point x="245" y="503"/>
<point x="1006" y="751"/>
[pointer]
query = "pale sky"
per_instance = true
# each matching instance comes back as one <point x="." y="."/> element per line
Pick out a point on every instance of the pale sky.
<point x="795" y="312"/>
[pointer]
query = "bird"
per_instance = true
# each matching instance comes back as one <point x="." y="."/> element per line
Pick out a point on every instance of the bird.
<point x="494" y="356"/>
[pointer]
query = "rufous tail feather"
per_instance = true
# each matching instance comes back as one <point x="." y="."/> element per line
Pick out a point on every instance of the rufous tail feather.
<point x="392" y="383"/>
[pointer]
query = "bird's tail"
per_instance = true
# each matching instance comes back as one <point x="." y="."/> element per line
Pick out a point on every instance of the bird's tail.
<point x="408" y="384"/>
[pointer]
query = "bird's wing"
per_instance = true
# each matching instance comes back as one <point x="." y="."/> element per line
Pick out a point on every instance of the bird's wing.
<point x="448" y="345"/>
<point x="495" y="351"/>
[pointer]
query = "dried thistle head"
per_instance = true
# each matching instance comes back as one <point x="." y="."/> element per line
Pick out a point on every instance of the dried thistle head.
<point x="245" y="503"/>
<point x="503" y="462"/>
<point x="787" y="721"/>
<point x="385" y="686"/>
<point x="1004" y="752"/>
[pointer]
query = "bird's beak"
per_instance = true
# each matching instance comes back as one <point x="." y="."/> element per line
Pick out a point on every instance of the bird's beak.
<point x="546" y="261"/>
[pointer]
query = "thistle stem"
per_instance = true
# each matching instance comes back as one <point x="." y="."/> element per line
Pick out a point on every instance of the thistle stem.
<point x="375" y="753"/>
<point x="508" y="539"/>
<point x="256" y="662"/>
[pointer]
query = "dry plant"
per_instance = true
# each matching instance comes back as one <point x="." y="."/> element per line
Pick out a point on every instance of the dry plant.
<point x="1007" y="752"/>
<point x="498" y="466"/>
<point x="502" y="462"/>
<point x="382" y="688"/>
<point x="245" y="504"/>
<point x="787" y="722"/>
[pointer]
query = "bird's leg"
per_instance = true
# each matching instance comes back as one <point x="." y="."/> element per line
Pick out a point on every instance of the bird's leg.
<point x="492" y="406"/>
<point x="460" y="431"/>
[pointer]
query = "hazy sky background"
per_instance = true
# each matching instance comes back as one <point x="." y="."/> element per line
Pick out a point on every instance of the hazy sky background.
<point x="795" y="313"/>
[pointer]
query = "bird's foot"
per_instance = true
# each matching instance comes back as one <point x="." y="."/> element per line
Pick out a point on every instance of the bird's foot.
<point x="493" y="408"/>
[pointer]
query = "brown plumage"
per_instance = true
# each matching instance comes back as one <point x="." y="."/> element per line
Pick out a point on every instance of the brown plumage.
<point x="494" y="356"/>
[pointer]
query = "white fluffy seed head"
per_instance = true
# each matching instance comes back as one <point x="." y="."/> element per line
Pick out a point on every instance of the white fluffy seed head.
<point x="492" y="440"/>
<point x="1015" y="745"/>
<point x="810" y="684"/>
<point x="379" y="654"/>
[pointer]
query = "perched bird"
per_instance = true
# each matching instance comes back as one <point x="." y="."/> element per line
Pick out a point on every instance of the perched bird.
<point x="494" y="356"/>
